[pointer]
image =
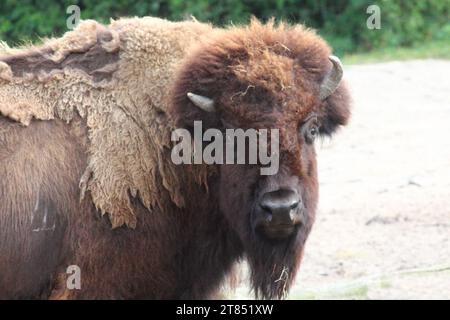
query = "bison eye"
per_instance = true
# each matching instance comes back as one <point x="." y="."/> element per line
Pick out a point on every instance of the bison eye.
<point x="310" y="129"/>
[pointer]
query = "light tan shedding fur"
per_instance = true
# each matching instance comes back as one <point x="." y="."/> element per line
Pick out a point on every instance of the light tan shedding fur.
<point x="123" y="102"/>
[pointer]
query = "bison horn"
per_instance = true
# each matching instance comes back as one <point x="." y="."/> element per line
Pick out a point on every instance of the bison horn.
<point x="332" y="79"/>
<point x="202" y="102"/>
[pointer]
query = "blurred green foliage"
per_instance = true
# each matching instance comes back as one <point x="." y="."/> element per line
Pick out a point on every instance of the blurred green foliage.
<point x="342" y="23"/>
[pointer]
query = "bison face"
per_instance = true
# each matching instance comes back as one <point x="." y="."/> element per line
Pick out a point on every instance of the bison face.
<point x="273" y="214"/>
<point x="266" y="78"/>
<point x="276" y="207"/>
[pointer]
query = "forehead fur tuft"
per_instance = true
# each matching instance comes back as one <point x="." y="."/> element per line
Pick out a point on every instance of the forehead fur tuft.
<point x="258" y="66"/>
<point x="271" y="52"/>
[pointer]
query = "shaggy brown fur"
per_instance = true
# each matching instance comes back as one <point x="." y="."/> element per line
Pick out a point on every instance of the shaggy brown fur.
<point x="122" y="89"/>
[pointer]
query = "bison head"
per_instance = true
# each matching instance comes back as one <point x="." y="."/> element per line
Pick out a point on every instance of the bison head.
<point x="266" y="77"/>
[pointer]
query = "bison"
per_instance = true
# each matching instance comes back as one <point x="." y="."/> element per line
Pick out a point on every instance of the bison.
<point x="86" y="177"/>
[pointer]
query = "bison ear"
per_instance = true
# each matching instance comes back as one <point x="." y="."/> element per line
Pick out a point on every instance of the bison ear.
<point x="336" y="110"/>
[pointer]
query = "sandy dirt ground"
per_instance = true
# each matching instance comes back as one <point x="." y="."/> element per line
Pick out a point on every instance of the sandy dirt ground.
<point x="383" y="224"/>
